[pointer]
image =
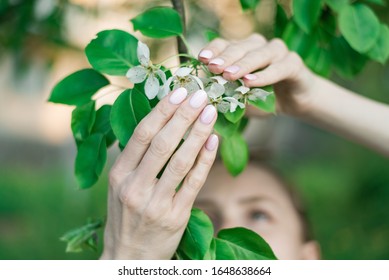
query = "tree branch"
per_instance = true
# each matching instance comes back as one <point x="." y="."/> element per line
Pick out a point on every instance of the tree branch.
<point x="178" y="5"/>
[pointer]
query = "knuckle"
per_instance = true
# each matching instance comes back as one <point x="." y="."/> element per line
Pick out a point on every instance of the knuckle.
<point x="257" y="38"/>
<point x="160" y="146"/>
<point x="179" y="165"/>
<point x="129" y="199"/>
<point x="185" y="115"/>
<point x="114" y="177"/>
<point x="278" y="43"/>
<point x="218" y="42"/>
<point x="200" y="134"/>
<point x="170" y="224"/>
<point x="152" y="215"/>
<point x="163" y="109"/>
<point x="295" y="58"/>
<point x="194" y="183"/>
<point x="143" y="134"/>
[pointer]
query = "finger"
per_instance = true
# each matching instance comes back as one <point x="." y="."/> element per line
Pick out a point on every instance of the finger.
<point x="183" y="159"/>
<point x="150" y="125"/>
<point x="234" y="52"/>
<point x="256" y="59"/>
<point x="213" y="49"/>
<point x="287" y="68"/>
<point x="166" y="141"/>
<point x="184" y="198"/>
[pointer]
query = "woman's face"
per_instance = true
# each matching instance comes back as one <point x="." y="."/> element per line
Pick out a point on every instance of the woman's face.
<point x="255" y="200"/>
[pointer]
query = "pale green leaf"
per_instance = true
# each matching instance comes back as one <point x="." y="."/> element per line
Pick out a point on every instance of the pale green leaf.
<point x="380" y="50"/>
<point x="234" y="153"/>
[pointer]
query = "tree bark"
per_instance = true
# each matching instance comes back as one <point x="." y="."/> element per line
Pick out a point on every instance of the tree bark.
<point x="178" y="5"/>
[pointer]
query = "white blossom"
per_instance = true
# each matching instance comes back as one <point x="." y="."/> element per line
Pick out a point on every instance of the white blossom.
<point x="234" y="103"/>
<point x="146" y="71"/>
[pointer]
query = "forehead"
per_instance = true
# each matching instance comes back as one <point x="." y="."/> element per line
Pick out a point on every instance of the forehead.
<point x="255" y="181"/>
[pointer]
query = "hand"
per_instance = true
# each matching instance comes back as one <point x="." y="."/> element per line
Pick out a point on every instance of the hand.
<point x="146" y="215"/>
<point x="260" y="63"/>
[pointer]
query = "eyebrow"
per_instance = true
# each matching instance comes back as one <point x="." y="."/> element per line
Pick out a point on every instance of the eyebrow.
<point x="250" y="200"/>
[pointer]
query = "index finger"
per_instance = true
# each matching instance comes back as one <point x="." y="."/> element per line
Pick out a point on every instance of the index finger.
<point x="150" y="125"/>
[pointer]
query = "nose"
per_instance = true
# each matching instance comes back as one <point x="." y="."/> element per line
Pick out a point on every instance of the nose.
<point x="230" y="222"/>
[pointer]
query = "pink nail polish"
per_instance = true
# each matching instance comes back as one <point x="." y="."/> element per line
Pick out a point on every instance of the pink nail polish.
<point x="178" y="96"/>
<point x="250" y="77"/>
<point x="208" y="114"/>
<point x="206" y="54"/>
<point x="217" y="61"/>
<point x="212" y="142"/>
<point x="233" y="69"/>
<point x="198" y="98"/>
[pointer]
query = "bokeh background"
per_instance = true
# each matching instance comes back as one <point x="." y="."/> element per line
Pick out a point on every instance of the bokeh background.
<point x="345" y="186"/>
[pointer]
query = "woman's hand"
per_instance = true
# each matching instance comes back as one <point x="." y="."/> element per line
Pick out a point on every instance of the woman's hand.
<point x="146" y="215"/>
<point x="260" y="63"/>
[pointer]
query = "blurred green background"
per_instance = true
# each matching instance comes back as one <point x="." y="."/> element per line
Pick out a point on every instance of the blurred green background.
<point x="345" y="186"/>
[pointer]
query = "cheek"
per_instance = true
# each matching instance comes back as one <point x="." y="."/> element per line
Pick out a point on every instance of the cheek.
<point x="286" y="245"/>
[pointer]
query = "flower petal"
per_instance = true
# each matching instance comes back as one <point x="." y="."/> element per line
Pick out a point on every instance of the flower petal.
<point x="183" y="71"/>
<point x="220" y="80"/>
<point x="234" y="103"/>
<point x="191" y="87"/>
<point x="242" y="89"/>
<point x="136" y="74"/>
<point x="199" y="82"/>
<point x="223" y="107"/>
<point x="162" y="75"/>
<point x="216" y="90"/>
<point x="258" y="93"/>
<point x="143" y="53"/>
<point x="151" y="87"/>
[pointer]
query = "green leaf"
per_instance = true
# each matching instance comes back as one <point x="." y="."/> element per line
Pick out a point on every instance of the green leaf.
<point x="360" y="26"/>
<point x="234" y="153"/>
<point x="346" y="61"/>
<point x="319" y="60"/>
<point x="83" y="118"/>
<point x="337" y="5"/>
<point x="82" y="237"/>
<point x="297" y="40"/>
<point x="249" y="4"/>
<point x="224" y="127"/>
<point x="158" y="22"/>
<point x="235" y="116"/>
<point x="306" y="13"/>
<point x="90" y="160"/>
<point x="377" y="2"/>
<point x="268" y="106"/>
<point x="211" y="35"/>
<point x="242" y="244"/>
<point x="103" y="125"/>
<point x="281" y="21"/>
<point x="78" y="88"/>
<point x="112" y="52"/>
<point x="197" y="238"/>
<point x="211" y="253"/>
<point x="380" y="50"/>
<point x="127" y="112"/>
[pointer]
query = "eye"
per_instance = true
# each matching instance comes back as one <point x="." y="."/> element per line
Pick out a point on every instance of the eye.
<point x="259" y="216"/>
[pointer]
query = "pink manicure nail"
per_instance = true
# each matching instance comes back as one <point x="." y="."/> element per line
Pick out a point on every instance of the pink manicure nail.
<point x="233" y="69"/>
<point x="178" y="96"/>
<point x="217" y="61"/>
<point x="206" y="54"/>
<point x="208" y="114"/>
<point x="250" y="77"/>
<point x="198" y="98"/>
<point x="212" y="142"/>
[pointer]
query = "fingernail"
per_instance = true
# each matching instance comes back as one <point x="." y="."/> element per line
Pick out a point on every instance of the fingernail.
<point x="217" y="61"/>
<point x="208" y="114"/>
<point x="250" y="77"/>
<point x="212" y="142"/>
<point x="206" y="54"/>
<point x="178" y="96"/>
<point x="233" y="69"/>
<point x="198" y="98"/>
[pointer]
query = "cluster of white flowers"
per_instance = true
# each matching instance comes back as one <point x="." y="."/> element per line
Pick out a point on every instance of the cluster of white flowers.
<point x="227" y="96"/>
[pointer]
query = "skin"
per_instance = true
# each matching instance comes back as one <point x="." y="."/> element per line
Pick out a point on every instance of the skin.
<point x="300" y="93"/>
<point x="146" y="217"/>
<point x="256" y="200"/>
